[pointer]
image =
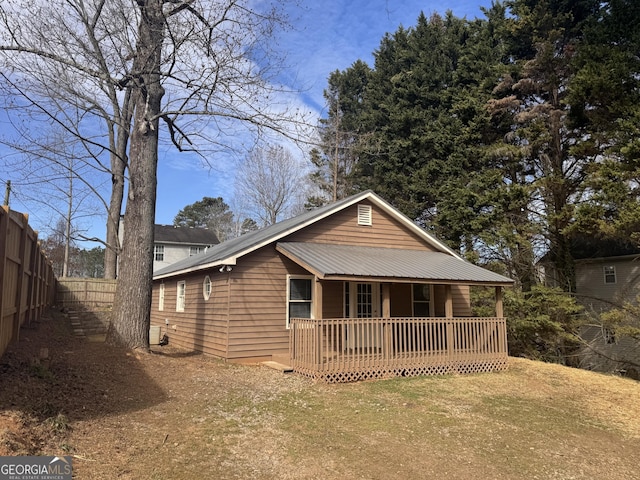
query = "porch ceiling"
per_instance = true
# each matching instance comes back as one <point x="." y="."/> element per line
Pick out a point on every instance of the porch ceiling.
<point x="337" y="262"/>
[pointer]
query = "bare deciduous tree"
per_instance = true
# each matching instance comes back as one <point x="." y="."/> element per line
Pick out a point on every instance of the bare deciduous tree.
<point x="201" y="67"/>
<point x="50" y="172"/>
<point x="269" y="182"/>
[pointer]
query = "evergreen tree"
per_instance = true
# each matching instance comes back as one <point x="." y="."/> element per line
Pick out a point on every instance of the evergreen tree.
<point x="605" y="105"/>
<point x="211" y="213"/>
<point x="341" y="133"/>
<point x="543" y="37"/>
<point x="425" y="112"/>
<point x="406" y="105"/>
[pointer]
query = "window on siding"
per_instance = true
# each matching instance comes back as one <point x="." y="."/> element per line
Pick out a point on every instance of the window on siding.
<point x="364" y="215"/>
<point x="206" y="287"/>
<point x="161" y="298"/>
<point x="158" y="253"/>
<point x="421" y="300"/>
<point x="195" y="251"/>
<point x="608" y="335"/>
<point x="299" y="297"/>
<point x="180" y="299"/>
<point x="609" y="274"/>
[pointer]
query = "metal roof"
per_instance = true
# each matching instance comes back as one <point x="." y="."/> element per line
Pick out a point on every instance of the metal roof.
<point x="226" y="253"/>
<point x="329" y="261"/>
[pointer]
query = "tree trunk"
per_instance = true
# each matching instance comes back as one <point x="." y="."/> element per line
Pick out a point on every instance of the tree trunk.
<point x="67" y="227"/>
<point x="113" y="218"/>
<point x="118" y="165"/>
<point x="559" y="211"/>
<point x="132" y="305"/>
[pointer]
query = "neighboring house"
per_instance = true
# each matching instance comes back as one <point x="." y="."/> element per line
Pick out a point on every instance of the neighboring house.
<point x="173" y="243"/>
<point x="348" y="291"/>
<point x="607" y="276"/>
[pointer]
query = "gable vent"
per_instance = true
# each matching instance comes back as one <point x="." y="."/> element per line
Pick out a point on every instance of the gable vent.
<point x="364" y="215"/>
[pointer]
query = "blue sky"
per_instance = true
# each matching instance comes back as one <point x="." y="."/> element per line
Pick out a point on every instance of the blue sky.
<point x="328" y="35"/>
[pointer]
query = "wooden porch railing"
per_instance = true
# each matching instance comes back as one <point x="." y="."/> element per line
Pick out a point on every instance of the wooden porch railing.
<point x="350" y="349"/>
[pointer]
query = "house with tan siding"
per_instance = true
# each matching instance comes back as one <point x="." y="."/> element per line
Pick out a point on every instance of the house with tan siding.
<point x="607" y="276"/>
<point x="348" y="291"/>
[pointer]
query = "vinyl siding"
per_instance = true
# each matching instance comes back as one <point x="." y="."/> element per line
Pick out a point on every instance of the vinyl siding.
<point x="591" y="287"/>
<point x="202" y="326"/>
<point x="619" y="354"/>
<point x="342" y="228"/>
<point x="245" y="318"/>
<point x="461" y="300"/>
<point x="258" y="305"/>
<point x="622" y="354"/>
<point x="333" y="299"/>
<point x="401" y="300"/>
<point x="252" y="296"/>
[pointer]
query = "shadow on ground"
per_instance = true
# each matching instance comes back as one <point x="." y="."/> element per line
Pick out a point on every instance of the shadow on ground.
<point x="50" y="373"/>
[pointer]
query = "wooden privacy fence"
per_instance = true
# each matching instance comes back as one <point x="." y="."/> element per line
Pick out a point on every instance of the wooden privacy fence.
<point x="85" y="292"/>
<point x="350" y="349"/>
<point x="27" y="282"/>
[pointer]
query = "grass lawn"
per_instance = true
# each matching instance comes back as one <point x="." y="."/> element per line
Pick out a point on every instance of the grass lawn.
<point x="172" y="415"/>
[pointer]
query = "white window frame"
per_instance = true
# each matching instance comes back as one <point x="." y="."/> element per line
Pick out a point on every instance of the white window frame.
<point x="181" y="294"/>
<point x="206" y="288"/>
<point x="365" y="215"/>
<point x="158" y="251"/>
<point x="609" y="274"/>
<point x="352" y="299"/>
<point x="161" y="298"/>
<point x="311" y="278"/>
<point x="195" y="250"/>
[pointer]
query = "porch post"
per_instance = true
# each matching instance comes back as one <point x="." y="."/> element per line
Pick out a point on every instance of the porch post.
<point x="317" y="315"/>
<point x="448" y="302"/>
<point x="448" y="313"/>
<point x="386" y="313"/>
<point x="499" y="309"/>
<point x="317" y="299"/>
<point x="386" y="300"/>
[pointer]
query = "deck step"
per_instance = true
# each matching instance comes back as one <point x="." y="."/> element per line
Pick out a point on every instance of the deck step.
<point x="278" y="366"/>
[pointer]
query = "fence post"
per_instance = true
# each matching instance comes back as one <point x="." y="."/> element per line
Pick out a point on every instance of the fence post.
<point x="20" y="278"/>
<point x="32" y="287"/>
<point x="4" y="233"/>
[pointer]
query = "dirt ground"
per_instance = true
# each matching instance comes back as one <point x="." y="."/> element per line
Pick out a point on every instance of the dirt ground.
<point x="173" y="414"/>
<point x="66" y="395"/>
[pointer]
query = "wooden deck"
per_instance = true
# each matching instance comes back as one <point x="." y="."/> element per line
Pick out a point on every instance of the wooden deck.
<point x="351" y="349"/>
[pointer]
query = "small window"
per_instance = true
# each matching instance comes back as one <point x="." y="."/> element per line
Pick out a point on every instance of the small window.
<point x="608" y="335"/>
<point x="421" y="300"/>
<point x="299" y="297"/>
<point x="161" y="298"/>
<point x="610" y="274"/>
<point x="158" y="251"/>
<point x="364" y="215"/>
<point x="180" y="300"/>
<point x="195" y="251"/>
<point x="206" y="287"/>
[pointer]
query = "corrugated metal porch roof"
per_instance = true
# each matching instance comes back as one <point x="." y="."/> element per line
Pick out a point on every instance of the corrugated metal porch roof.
<point x="328" y="261"/>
